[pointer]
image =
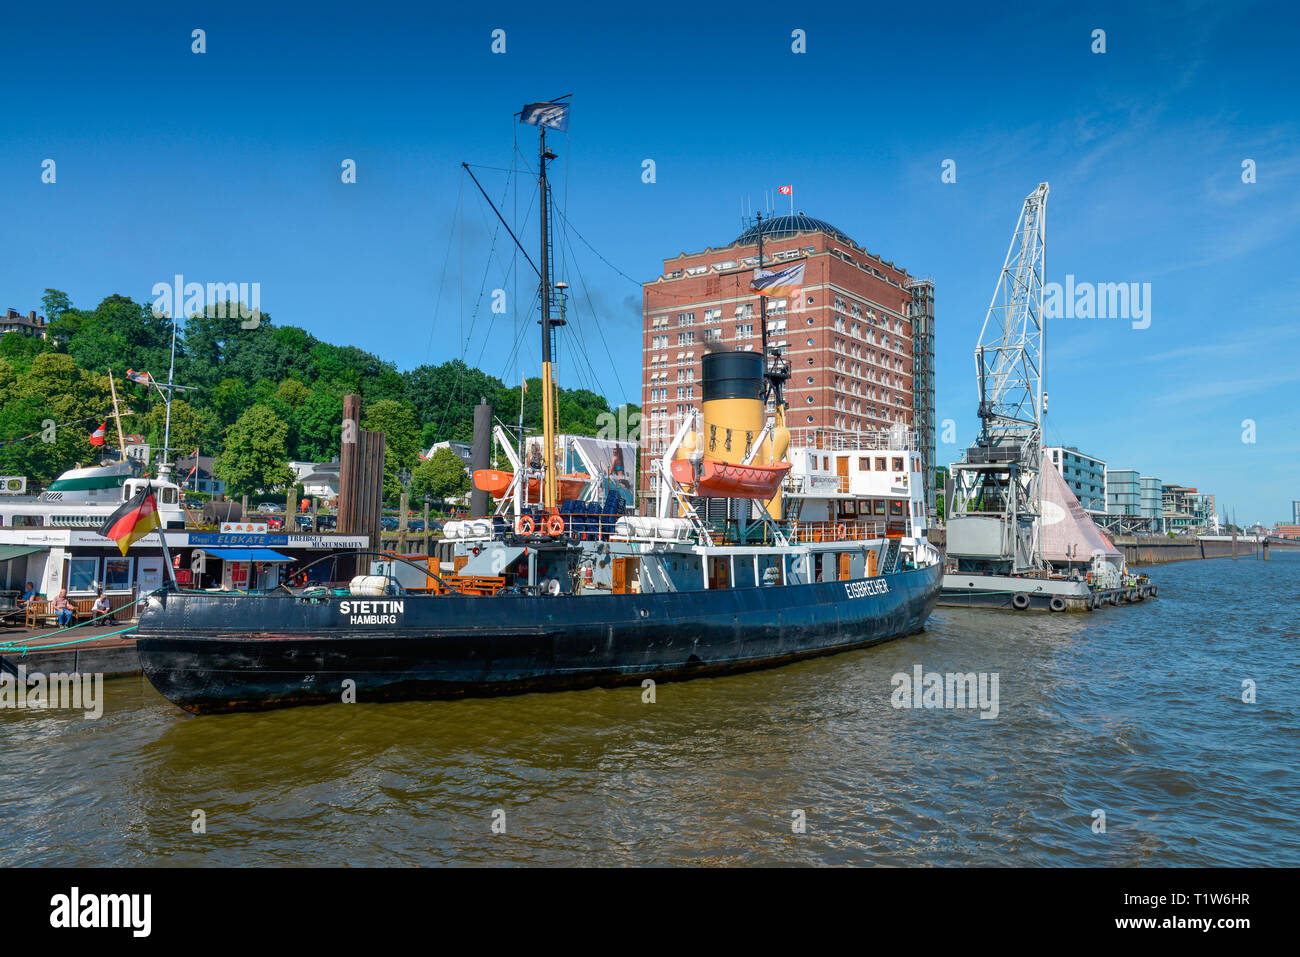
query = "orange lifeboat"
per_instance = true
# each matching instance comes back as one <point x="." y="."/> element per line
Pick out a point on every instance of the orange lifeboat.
<point x="728" y="480"/>
<point x="496" y="482"/>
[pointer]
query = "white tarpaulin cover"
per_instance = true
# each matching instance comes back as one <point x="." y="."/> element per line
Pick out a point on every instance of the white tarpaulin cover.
<point x="1068" y="532"/>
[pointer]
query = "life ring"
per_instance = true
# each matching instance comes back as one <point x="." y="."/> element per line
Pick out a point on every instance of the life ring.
<point x="841" y="531"/>
<point x="1057" y="603"/>
<point x="1019" y="601"/>
<point x="555" y="525"/>
<point x="524" y="525"/>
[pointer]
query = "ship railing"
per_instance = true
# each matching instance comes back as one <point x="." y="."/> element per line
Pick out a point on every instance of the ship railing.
<point x="840" y="440"/>
<point x="816" y="532"/>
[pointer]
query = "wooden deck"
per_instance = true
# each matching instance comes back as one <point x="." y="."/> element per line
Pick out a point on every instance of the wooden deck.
<point x="108" y="655"/>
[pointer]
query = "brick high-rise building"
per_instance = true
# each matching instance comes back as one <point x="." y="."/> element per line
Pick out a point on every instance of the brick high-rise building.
<point x="859" y="340"/>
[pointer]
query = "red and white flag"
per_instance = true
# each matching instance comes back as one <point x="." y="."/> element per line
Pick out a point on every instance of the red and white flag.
<point x="97" y="437"/>
<point x="787" y="190"/>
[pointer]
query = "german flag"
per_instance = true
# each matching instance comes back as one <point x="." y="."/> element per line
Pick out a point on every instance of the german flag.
<point x="133" y="521"/>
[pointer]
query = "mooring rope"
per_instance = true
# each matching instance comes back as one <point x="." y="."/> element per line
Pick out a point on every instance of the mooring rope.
<point x="21" y="644"/>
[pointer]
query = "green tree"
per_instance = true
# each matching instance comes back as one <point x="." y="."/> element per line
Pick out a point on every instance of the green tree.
<point x="441" y="476"/>
<point x="254" y="456"/>
<point x="55" y="304"/>
<point x="402" y="445"/>
<point x="192" y="427"/>
<point x="51" y="401"/>
<point x="319" y="424"/>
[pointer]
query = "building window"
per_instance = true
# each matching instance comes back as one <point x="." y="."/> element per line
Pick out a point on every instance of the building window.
<point x="880" y="463"/>
<point x="117" y="574"/>
<point x="744" y="330"/>
<point x="81" y="574"/>
<point x="864" y="464"/>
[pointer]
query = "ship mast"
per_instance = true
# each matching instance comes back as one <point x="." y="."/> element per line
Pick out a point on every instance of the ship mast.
<point x="549" y="497"/>
<point x="117" y="417"/>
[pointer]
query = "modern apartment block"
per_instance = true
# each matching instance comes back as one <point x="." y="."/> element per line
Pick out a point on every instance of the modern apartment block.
<point x="1295" y="513"/>
<point x="1153" y="503"/>
<point x="1085" y="475"/>
<point x="859" y="337"/>
<point x="1123" y="493"/>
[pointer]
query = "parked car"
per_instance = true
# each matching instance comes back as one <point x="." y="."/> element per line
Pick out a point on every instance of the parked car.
<point x="388" y="523"/>
<point x="274" y="523"/>
<point x="303" y="522"/>
<point x="268" y="507"/>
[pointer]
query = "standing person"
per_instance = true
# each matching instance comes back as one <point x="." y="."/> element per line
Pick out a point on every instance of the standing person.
<point x="63" y="608"/>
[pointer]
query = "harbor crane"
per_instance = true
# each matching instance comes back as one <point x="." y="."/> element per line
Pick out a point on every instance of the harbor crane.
<point x="995" y="495"/>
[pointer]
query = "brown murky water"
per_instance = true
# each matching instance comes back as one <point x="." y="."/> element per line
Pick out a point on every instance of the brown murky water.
<point x="1135" y="711"/>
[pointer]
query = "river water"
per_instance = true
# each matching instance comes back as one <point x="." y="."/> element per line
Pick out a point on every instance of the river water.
<point x="1134" y="711"/>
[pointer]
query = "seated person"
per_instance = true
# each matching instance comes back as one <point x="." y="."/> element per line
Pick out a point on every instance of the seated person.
<point x="63" y="608"/>
<point x="100" y="608"/>
<point x="29" y="593"/>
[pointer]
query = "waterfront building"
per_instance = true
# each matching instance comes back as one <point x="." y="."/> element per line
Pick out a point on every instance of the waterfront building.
<point x="28" y="325"/>
<point x="1185" y="509"/>
<point x="203" y="479"/>
<point x="318" y="479"/>
<point x="1152" y="501"/>
<point x="1123" y="493"/>
<point x="1295" y="512"/>
<point x="462" y="449"/>
<point x="859" y="336"/>
<point x="1085" y="474"/>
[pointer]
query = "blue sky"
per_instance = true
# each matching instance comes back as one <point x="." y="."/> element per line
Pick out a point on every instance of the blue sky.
<point x="225" y="167"/>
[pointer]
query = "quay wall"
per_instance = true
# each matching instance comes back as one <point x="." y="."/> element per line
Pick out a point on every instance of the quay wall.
<point x="1159" y="549"/>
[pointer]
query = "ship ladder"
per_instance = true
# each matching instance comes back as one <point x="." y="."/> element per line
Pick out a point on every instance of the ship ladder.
<point x="891" y="557"/>
<point x="688" y="512"/>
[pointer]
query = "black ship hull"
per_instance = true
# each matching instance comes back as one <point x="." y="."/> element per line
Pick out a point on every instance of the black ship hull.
<point x="213" y="653"/>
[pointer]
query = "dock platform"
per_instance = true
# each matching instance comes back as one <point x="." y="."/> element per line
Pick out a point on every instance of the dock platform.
<point x="86" y="649"/>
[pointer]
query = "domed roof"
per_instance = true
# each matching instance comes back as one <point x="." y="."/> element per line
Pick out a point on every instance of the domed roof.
<point x="781" y="227"/>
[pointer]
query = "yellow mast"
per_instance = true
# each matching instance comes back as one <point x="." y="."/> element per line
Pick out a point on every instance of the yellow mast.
<point x="117" y="417"/>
